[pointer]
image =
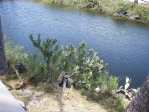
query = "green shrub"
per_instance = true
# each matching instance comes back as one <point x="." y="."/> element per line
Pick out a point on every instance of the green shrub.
<point x="112" y="84"/>
<point x="118" y="101"/>
<point x="108" y="6"/>
<point x="112" y="110"/>
<point x="36" y="68"/>
<point x="143" y="13"/>
<point x="49" y="88"/>
<point x="121" y="6"/>
<point x="85" y="66"/>
<point x="119" y="104"/>
<point x="14" y="53"/>
<point x="48" y="50"/>
<point x="87" y="69"/>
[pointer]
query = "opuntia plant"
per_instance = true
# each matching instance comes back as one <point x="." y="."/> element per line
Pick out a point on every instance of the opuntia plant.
<point x="87" y="69"/>
<point x="47" y="48"/>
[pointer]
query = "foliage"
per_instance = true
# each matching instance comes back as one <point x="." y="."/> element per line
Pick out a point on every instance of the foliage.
<point x="49" y="88"/>
<point x="122" y="7"/>
<point x="114" y="104"/>
<point x="112" y="84"/>
<point x="49" y="51"/>
<point x="85" y="66"/>
<point x="35" y="68"/>
<point x="143" y="13"/>
<point x="118" y="101"/>
<point x="14" y="53"/>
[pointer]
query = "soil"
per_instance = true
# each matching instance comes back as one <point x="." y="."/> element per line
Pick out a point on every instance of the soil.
<point x="69" y="100"/>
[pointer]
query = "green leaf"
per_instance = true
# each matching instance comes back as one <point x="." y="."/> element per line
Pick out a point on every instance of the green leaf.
<point x="54" y="59"/>
<point x="56" y="48"/>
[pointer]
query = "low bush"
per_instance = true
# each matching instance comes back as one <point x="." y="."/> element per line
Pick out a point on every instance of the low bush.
<point x="14" y="53"/>
<point x="121" y="7"/>
<point x="143" y="13"/>
<point x="49" y="88"/>
<point x="85" y="66"/>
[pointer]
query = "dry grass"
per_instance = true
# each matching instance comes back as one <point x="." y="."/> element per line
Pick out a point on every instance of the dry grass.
<point x="68" y="101"/>
<point x="143" y="6"/>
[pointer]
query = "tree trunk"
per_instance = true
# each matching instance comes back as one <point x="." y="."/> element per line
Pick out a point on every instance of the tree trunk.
<point x="140" y="102"/>
<point x="3" y="63"/>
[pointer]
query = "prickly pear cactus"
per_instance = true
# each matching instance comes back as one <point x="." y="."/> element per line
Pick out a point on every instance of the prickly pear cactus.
<point x="47" y="48"/>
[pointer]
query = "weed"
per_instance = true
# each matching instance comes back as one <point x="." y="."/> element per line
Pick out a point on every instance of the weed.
<point x="49" y="88"/>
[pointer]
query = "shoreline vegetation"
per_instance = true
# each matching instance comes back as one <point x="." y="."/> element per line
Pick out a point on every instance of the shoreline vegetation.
<point x="117" y="8"/>
<point x="54" y="69"/>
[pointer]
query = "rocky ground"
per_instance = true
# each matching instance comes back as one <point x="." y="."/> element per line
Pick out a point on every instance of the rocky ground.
<point x="68" y="101"/>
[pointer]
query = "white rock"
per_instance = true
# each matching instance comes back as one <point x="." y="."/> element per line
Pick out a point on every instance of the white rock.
<point x="70" y="80"/>
<point x="97" y="90"/>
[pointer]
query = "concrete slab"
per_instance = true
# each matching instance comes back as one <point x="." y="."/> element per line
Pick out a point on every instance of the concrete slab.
<point x="7" y="102"/>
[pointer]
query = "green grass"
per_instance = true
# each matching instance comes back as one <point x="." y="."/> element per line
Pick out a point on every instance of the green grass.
<point x="107" y="100"/>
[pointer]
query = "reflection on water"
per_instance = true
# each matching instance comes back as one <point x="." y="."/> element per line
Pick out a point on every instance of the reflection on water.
<point x="121" y="43"/>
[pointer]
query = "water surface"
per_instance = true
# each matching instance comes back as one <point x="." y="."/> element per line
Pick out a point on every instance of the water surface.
<point x="121" y="43"/>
